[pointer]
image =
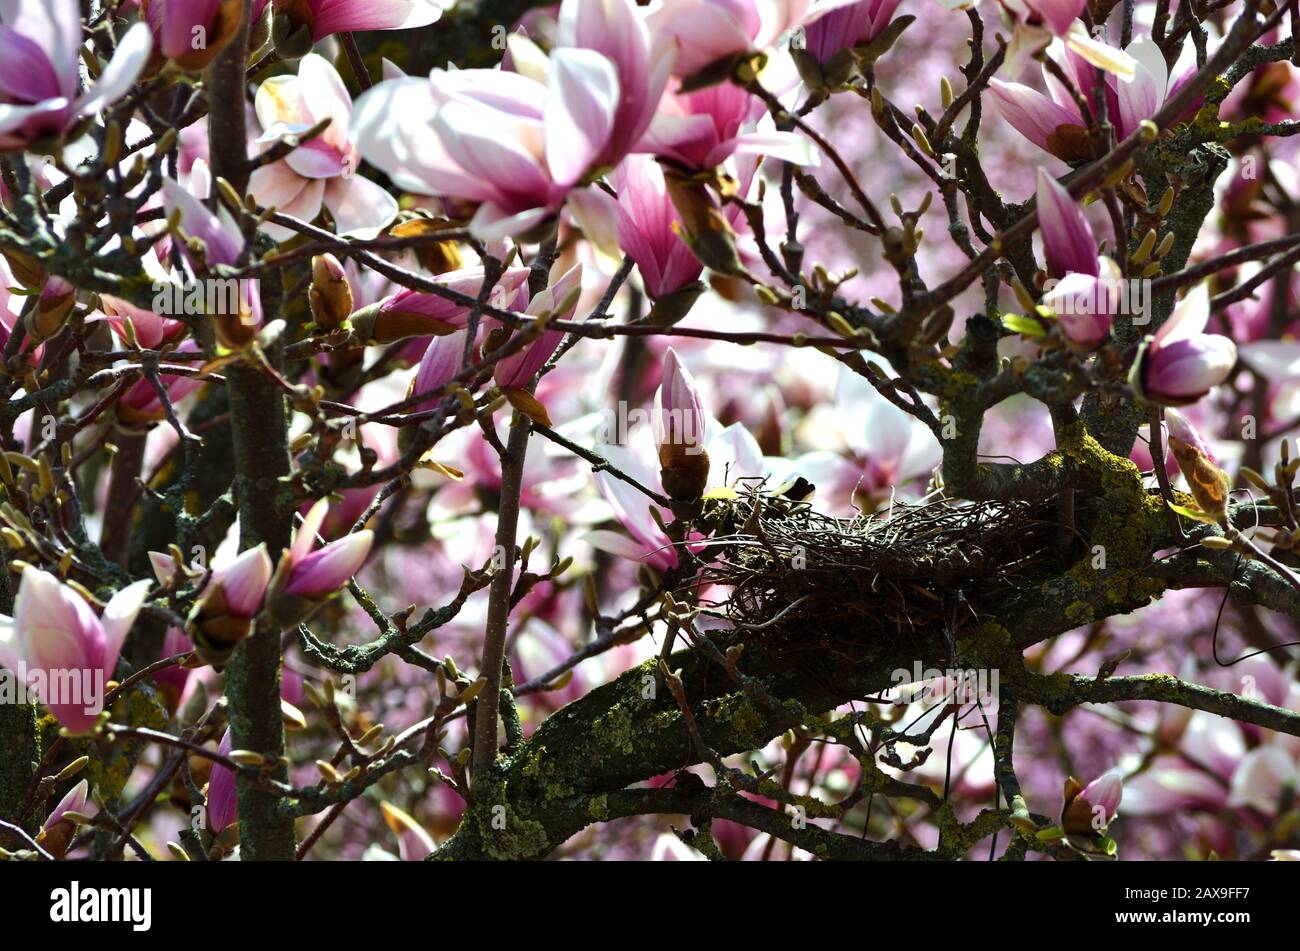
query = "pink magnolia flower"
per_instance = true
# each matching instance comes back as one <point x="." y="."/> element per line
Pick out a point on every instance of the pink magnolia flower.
<point x="702" y="129"/>
<point x="707" y="31"/>
<point x="172" y="680"/>
<point x="1152" y="84"/>
<point x="1170" y="784"/>
<point x="679" y="423"/>
<point x="1035" y="23"/>
<point x="40" y="54"/>
<point x="229" y="603"/>
<point x="1053" y="126"/>
<point x="1085" y="304"/>
<point x="1054" y="15"/>
<point x="149" y="328"/>
<point x="1180" y="364"/>
<point x="647" y="543"/>
<point x="1104" y="793"/>
<point x="517" y="143"/>
<point x="223" y="243"/>
<point x="315" y="574"/>
<point x="648" y="228"/>
<point x="192" y="32"/>
<point x="1261" y="779"/>
<point x="323" y="171"/>
<point x="411" y="313"/>
<point x="55" y="632"/>
<point x="222" y="804"/>
<point x="506" y="142"/>
<point x="617" y="30"/>
<point x="73" y="801"/>
<point x="558" y="302"/>
<point x="1089" y="810"/>
<point x="1068" y="242"/>
<point x="888" y="450"/>
<point x="242" y="583"/>
<point x="324" y="18"/>
<point x="680" y="420"/>
<point x="57" y="832"/>
<point x="439" y="366"/>
<point x="1054" y="123"/>
<point x="848" y="26"/>
<point x="140" y="404"/>
<point x="735" y="454"/>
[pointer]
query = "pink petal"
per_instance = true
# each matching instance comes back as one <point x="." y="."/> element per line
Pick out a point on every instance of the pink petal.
<point x="1068" y="242"/>
<point x="244" y="581"/>
<point x="1029" y="112"/>
<point x="222" y="803"/>
<point x="341" y="16"/>
<point x="325" y="571"/>
<point x="359" y="206"/>
<point x="581" y="99"/>
<point x="55" y="627"/>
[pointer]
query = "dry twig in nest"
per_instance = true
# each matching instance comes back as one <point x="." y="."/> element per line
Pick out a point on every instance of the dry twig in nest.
<point x="810" y="581"/>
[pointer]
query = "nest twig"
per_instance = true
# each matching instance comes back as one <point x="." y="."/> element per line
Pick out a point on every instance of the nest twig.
<point x="813" y="581"/>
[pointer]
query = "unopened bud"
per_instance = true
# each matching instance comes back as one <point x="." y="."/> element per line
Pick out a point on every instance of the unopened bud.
<point x="1145" y="247"/>
<point x="330" y="293"/>
<point x="52" y="309"/>
<point x="1166" y="203"/>
<point x="1216" y="543"/>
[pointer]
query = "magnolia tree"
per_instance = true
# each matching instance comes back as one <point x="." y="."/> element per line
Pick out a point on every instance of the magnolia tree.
<point x="709" y="428"/>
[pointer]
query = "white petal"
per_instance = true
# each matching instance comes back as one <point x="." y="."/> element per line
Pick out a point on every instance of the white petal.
<point x="492" y="223"/>
<point x="582" y="97"/>
<point x="392" y="125"/>
<point x="359" y="206"/>
<point x="120" y="74"/>
<point x="118" y="617"/>
<point x="1189" y="317"/>
<point x="788" y="146"/>
<point x="1101" y="55"/>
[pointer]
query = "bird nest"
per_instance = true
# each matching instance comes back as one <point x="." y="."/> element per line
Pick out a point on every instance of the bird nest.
<point x="812" y="582"/>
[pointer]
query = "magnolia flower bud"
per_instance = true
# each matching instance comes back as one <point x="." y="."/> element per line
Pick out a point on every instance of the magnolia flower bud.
<point x="192" y="32"/>
<point x="679" y="430"/>
<point x="59" y="829"/>
<point x="1085" y="304"/>
<point x="703" y="226"/>
<point x="52" y="308"/>
<point x="330" y="293"/>
<point x="1068" y="242"/>
<point x="1180" y="364"/>
<point x="171" y="680"/>
<point x="413" y="842"/>
<point x="223" y="807"/>
<point x="424" y="314"/>
<point x="306" y="578"/>
<point x="230" y="603"/>
<point x="55" y="629"/>
<point x="25" y="268"/>
<point x="1088" y="810"/>
<point x="1208" y="483"/>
